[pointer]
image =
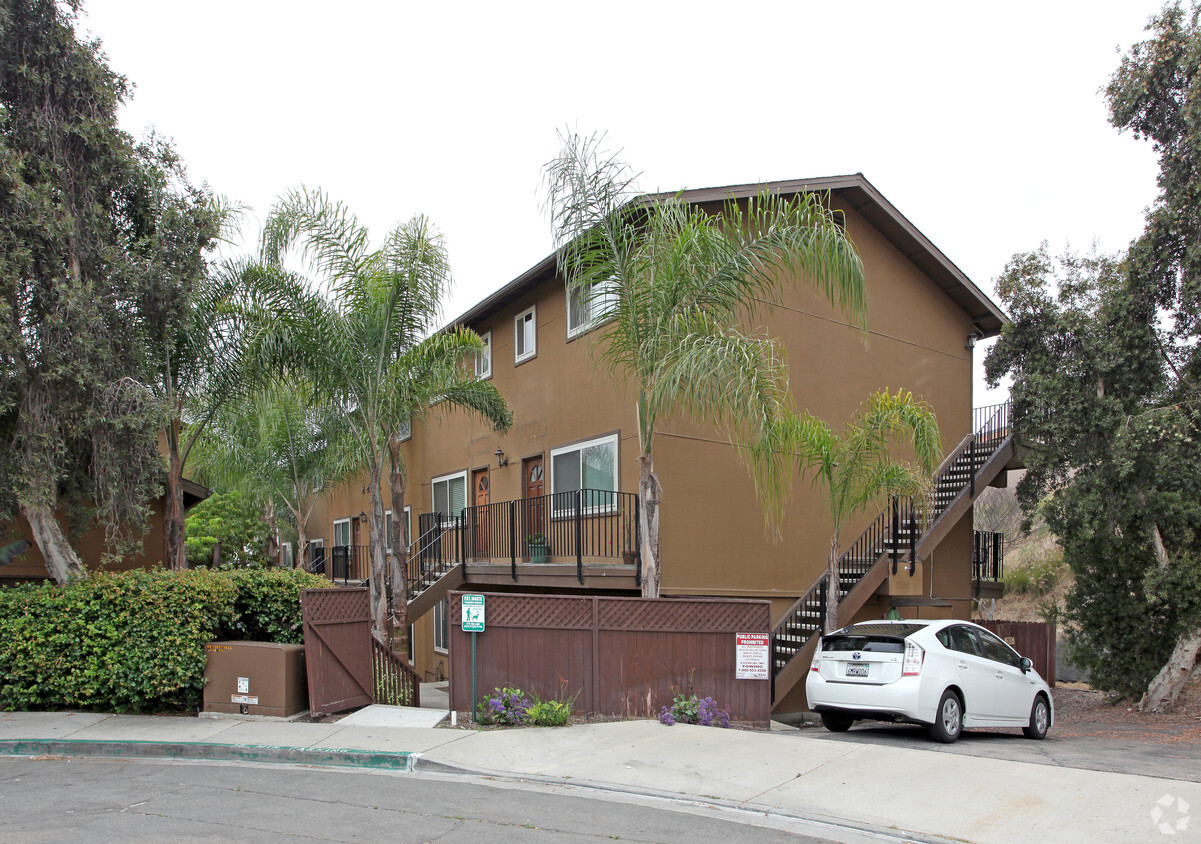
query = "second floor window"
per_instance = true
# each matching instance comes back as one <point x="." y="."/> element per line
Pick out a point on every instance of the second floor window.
<point x="483" y="360"/>
<point x="526" y="335"/>
<point x="587" y="305"/>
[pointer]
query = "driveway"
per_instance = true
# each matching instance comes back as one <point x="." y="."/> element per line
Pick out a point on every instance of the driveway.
<point x="1171" y="751"/>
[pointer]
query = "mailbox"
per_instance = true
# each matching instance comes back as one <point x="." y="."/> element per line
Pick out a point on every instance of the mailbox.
<point x="255" y="678"/>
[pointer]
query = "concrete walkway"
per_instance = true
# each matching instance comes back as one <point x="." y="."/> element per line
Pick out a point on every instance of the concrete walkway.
<point x="858" y="784"/>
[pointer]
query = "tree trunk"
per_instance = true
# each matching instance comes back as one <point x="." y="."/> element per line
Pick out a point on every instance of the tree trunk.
<point x="177" y="552"/>
<point x="379" y="562"/>
<point x="649" y="493"/>
<point x="61" y="560"/>
<point x="301" y="559"/>
<point x="832" y="586"/>
<point x="273" y="548"/>
<point x="399" y="564"/>
<point x="1174" y="676"/>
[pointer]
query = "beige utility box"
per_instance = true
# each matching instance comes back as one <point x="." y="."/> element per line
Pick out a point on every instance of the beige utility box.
<point x="255" y="678"/>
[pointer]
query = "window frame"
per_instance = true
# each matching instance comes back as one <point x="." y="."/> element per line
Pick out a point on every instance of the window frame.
<point x="486" y="354"/>
<point x="594" y="321"/>
<point x="315" y="543"/>
<point x="285" y="553"/>
<point x="579" y="446"/>
<point x="442" y="626"/>
<point x="337" y="522"/>
<point x="518" y="322"/>
<point x="434" y="499"/>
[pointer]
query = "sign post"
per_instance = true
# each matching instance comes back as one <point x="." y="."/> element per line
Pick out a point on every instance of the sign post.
<point x="473" y="623"/>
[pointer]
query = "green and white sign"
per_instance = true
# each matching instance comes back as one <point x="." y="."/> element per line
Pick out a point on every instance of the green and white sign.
<point x="473" y="613"/>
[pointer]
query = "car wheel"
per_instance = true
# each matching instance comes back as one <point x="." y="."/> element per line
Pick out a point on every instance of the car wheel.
<point x="837" y="722"/>
<point x="948" y="718"/>
<point x="1040" y="719"/>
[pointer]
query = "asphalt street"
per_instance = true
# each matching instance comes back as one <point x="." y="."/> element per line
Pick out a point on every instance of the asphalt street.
<point x="84" y="800"/>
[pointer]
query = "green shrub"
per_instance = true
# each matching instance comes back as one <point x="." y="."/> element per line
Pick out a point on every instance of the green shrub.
<point x="132" y="641"/>
<point x="549" y="713"/>
<point x="267" y="606"/>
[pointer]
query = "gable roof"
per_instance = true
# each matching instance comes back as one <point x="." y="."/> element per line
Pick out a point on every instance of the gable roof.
<point x="854" y="192"/>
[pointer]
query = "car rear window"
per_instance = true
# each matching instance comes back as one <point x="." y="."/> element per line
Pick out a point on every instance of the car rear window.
<point x="878" y="638"/>
<point x="871" y="644"/>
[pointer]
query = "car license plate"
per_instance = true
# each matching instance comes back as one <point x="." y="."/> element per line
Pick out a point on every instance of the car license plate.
<point x="856" y="670"/>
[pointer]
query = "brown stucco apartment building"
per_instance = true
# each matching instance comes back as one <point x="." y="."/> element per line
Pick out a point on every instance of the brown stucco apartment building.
<point x="574" y="428"/>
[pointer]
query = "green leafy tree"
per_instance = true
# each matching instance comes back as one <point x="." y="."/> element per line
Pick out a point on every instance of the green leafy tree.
<point x="1110" y="461"/>
<point x="1106" y="355"/>
<point x="360" y="333"/>
<point x="674" y="282"/>
<point x="227" y="528"/>
<point x="99" y="238"/>
<point x="280" y="448"/>
<point x="855" y="468"/>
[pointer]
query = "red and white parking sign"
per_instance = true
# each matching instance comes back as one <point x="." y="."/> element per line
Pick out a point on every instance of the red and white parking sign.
<point x="751" y="656"/>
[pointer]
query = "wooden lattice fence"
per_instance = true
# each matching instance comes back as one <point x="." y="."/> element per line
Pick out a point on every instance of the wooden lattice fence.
<point x="621" y="656"/>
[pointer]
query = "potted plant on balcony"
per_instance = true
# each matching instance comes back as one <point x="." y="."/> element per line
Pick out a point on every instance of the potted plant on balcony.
<point x="539" y="549"/>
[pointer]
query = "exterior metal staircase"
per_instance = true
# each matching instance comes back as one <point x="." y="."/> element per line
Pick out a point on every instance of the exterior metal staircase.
<point x="433" y="569"/>
<point x="894" y="538"/>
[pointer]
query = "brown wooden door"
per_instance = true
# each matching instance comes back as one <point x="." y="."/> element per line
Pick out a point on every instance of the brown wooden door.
<point x="481" y="485"/>
<point x="532" y="490"/>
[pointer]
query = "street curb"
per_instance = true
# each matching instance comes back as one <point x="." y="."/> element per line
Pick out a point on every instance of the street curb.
<point x="207" y="751"/>
<point x="422" y="765"/>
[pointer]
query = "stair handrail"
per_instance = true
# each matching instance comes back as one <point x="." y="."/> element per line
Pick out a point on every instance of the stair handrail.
<point x="993" y="433"/>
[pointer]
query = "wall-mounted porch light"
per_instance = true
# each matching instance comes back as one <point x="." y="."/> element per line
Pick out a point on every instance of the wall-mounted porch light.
<point x="972" y="337"/>
<point x="501" y="460"/>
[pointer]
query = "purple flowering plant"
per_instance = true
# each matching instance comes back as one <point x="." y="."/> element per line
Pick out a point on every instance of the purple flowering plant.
<point x="507" y="707"/>
<point x="690" y="709"/>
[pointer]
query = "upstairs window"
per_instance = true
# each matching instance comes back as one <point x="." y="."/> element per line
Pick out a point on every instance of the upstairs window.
<point x="587" y="304"/>
<point x="525" y="328"/>
<point x="483" y="360"/>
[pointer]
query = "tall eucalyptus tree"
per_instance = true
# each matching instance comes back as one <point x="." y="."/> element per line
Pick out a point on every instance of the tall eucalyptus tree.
<point x="100" y="239"/>
<point x="675" y="282"/>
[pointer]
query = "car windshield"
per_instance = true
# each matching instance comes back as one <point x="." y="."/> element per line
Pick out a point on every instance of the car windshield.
<point x="878" y="638"/>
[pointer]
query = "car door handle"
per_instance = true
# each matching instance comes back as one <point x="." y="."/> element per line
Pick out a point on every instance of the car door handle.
<point x="999" y="676"/>
<point x="962" y="665"/>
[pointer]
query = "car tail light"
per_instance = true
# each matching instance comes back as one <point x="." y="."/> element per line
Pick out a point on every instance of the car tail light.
<point x="914" y="657"/>
<point x="817" y="659"/>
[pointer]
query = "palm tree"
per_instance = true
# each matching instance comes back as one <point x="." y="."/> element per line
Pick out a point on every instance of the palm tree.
<point x="674" y="281"/>
<point x="362" y="334"/>
<point x="279" y="448"/>
<point x="855" y="469"/>
<point x="196" y="369"/>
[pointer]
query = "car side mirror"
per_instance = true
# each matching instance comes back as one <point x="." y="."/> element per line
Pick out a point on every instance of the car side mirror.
<point x="1027" y="664"/>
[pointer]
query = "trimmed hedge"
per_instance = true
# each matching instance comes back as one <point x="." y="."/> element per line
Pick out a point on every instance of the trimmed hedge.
<point x="134" y="641"/>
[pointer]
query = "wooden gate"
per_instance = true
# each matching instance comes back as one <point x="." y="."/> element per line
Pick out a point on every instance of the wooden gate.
<point x="337" y="648"/>
<point x="1035" y="639"/>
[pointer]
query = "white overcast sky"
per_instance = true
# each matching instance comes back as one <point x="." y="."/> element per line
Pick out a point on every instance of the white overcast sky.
<point x="982" y="122"/>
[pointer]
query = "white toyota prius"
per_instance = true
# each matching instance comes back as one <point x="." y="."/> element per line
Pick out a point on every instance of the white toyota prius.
<point x="945" y="674"/>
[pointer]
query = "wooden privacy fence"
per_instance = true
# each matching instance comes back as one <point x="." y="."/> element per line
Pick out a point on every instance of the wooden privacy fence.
<point x="621" y="656"/>
<point x="1035" y="639"/>
<point x="346" y="666"/>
